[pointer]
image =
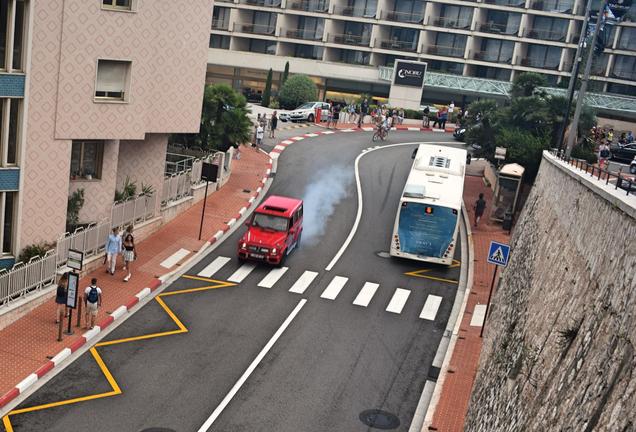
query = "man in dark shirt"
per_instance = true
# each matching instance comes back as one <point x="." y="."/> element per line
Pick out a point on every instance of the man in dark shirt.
<point x="480" y="206"/>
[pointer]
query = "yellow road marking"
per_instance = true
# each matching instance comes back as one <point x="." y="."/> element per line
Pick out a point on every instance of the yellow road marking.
<point x="116" y="390"/>
<point x="421" y="273"/>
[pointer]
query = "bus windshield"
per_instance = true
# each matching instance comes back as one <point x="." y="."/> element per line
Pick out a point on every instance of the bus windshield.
<point x="265" y="221"/>
<point x="425" y="229"/>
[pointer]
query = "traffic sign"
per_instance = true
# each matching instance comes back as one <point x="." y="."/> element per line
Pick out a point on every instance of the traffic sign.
<point x="75" y="259"/>
<point x="498" y="253"/>
<point x="72" y="290"/>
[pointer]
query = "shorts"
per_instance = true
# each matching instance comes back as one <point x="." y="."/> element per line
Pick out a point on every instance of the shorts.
<point x="92" y="308"/>
<point x="129" y="256"/>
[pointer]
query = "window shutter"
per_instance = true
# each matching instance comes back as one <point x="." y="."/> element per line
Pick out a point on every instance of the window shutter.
<point x="111" y="76"/>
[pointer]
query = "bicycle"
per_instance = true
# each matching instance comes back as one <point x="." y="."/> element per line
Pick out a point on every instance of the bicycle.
<point x="380" y="133"/>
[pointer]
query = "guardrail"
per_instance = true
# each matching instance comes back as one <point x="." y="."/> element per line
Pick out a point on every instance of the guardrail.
<point x="23" y="279"/>
<point x="133" y="210"/>
<point x="626" y="183"/>
<point x="175" y="187"/>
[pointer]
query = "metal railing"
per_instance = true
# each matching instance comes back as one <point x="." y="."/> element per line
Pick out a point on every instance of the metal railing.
<point x="355" y="11"/>
<point x="89" y="240"/>
<point x="452" y="22"/>
<point x="490" y="56"/>
<point x="405" y="17"/>
<point x="349" y="39"/>
<point x="262" y="3"/>
<point x="176" y="187"/>
<point x="176" y="162"/>
<point x="303" y="34"/>
<point x="537" y="62"/>
<point x="511" y="3"/>
<point x="552" y="6"/>
<point x="23" y="279"/>
<point x="498" y="28"/>
<point x="397" y="45"/>
<point x="220" y="24"/>
<point x="447" y="51"/>
<point x="628" y="184"/>
<point x="546" y="34"/>
<point x="310" y="5"/>
<point x="255" y="28"/>
<point x="133" y="210"/>
<point x="624" y="73"/>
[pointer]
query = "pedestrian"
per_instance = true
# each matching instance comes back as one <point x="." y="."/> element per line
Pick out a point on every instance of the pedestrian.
<point x="336" y="114"/>
<point x="129" y="253"/>
<point x="610" y="136"/>
<point x="451" y="107"/>
<point x="443" y="116"/>
<point x="394" y="117"/>
<point x="273" y="123"/>
<point x="259" y="136"/>
<point x="330" y="116"/>
<point x="603" y="154"/>
<point x="359" y="116"/>
<point x="426" y="121"/>
<point x="630" y="137"/>
<point x="480" y="206"/>
<point x="364" y="109"/>
<point x="92" y="302"/>
<point x="113" y="248"/>
<point x="60" y="298"/>
<point x="400" y="116"/>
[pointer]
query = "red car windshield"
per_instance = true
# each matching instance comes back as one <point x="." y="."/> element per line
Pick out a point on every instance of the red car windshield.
<point x="265" y="221"/>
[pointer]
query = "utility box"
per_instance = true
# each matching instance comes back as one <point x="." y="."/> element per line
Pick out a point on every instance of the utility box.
<point x="506" y="194"/>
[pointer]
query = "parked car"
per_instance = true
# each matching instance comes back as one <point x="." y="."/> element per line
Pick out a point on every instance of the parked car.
<point x="283" y="116"/>
<point x="307" y="112"/>
<point x="273" y="231"/>
<point x="624" y="152"/>
<point x="632" y="166"/>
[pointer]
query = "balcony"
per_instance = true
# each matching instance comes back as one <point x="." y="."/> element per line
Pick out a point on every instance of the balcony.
<point x="624" y="73"/>
<point x="394" y="44"/>
<point x="317" y="6"/>
<point x="491" y="56"/>
<point x="349" y="39"/>
<point x="538" y="63"/>
<point x="262" y="3"/>
<point x="511" y="3"/>
<point x="220" y="24"/>
<point x="446" y="51"/>
<point x="552" y="6"/>
<point x="498" y="29"/>
<point x="262" y="29"/>
<point x="303" y="34"/>
<point x="405" y="17"/>
<point x="543" y="34"/>
<point x="455" y="23"/>
<point x="354" y="11"/>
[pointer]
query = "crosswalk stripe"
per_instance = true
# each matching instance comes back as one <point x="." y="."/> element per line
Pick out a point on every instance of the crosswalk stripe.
<point x="174" y="258"/>
<point x="214" y="267"/>
<point x="303" y="282"/>
<point x="334" y="287"/>
<point x="366" y="294"/>
<point x="430" y="307"/>
<point x="242" y="272"/>
<point x="398" y="300"/>
<point x="272" y="277"/>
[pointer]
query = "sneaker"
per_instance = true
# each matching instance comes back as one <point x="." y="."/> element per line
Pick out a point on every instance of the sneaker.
<point x="127" y="278"/>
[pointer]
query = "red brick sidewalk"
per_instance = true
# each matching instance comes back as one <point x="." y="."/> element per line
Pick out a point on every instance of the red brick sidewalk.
<point x="452" y="406"/>
<point x="26" y="343"/>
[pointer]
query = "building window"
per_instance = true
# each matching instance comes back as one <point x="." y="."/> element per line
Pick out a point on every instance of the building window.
<point x="12" y="32"/>
<point x="10" y="126"/>
<point x="4" y="25"/>
<point x="113" y="79"/>
<point x="86" y="160"/>
<point x="217" y="41"/>
<point x="18" y="36"/>
<point x="123" y="5"/>
<point x="7" y="212"/>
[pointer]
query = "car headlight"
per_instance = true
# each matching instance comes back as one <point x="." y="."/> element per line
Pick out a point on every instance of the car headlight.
<point x="243" y="245"/>
<point x="274" y="251"/>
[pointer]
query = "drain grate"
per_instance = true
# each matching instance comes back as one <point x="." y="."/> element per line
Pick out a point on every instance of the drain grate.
<point x="379" y="419"/>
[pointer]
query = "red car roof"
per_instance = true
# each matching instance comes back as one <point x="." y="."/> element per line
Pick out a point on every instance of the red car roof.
<point x="279" y="205"/>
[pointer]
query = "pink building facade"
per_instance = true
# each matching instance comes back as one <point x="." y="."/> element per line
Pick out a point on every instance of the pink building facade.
<point x="106" y="82"/>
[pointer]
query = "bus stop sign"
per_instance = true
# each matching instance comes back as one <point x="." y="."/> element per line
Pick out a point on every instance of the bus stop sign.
<point x="498" y="253"/>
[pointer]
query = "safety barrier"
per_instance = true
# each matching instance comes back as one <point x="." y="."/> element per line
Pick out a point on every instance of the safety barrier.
<point x="133" y="210"/>
<point x="23" y="279"/>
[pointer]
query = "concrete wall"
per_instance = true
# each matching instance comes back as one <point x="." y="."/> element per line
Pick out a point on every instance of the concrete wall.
<point x="558" y="351"/>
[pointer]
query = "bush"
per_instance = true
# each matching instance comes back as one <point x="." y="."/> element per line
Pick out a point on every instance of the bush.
<point x="274" y="104"/>
<point x="267" y="93"/>
<point x="585" y="150"/>
<point x="296" y="91"/>
<point x="34" y="250"/>
<point x="73" y="207"/>
<point x="413" y="114"/>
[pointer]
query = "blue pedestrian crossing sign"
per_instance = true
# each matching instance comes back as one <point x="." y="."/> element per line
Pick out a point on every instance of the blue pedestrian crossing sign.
<point x="498" y="253"/>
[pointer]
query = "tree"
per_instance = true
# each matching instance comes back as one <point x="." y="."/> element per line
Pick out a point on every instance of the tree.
<point x="527" y="84"/>
<point x="267" y="93"/>
<point x="224" y="121"/>
<point x="296" y="91"/>
<point x="523" y="147"/>
<point x="285" y="74"/>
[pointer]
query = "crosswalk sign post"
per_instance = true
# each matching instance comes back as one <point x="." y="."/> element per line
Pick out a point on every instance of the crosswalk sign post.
<point x="498" y="254"/>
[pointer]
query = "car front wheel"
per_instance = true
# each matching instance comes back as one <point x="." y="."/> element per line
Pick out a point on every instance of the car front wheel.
<point x="310" y="118"/>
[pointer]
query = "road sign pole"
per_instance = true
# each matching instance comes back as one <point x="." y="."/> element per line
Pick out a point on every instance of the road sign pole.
<point x="492" y="285"/>
<point x="205" y="199"/>
<point x="69" y="330"/>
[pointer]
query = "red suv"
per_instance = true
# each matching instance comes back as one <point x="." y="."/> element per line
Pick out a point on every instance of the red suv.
<point x="273" y="230"/>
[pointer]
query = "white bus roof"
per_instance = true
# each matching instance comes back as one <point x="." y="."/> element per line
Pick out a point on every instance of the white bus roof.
<point x="437" y="176"/>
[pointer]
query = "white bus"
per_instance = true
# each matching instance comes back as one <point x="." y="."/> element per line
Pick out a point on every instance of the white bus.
<point x="427" y="220"/>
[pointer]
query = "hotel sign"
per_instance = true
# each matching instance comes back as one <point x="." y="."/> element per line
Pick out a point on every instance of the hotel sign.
<point x="410" y="74"/>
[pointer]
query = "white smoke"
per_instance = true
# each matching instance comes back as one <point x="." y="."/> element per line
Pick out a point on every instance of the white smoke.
<point x="321" y="198"/>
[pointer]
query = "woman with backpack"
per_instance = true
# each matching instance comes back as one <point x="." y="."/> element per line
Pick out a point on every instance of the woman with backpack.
<point x="60" y="298"/>
<point x="129" y="252"/>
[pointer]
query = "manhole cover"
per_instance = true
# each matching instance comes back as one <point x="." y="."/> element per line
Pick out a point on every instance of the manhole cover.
<point x="157" y="429"/>
<point x="379" y="419"/>
<point x="383" y="254"/>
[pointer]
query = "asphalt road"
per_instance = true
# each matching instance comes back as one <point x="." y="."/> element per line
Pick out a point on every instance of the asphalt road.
<point x="333" y="361"/>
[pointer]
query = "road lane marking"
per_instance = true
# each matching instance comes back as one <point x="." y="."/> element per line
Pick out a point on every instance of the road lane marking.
<point x="174" y="258"/>
<point x="479" y="313"/>
<point x="214" y="266"/>
<point x="429" y="311"/>
<point x="303" y="282"/>
<point x="219" y="409"/>
<point x="334" y="287"/>
<point x="272" y="277"/>
<point x="366" y="294"/>
<point x="242" y="272"/>
<point x="400" y="296"/>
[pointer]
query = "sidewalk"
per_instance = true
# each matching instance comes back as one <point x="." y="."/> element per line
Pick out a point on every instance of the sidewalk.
<point x="452" y="406"/>
<point x="30" y="342"/>
<point x="405" y="127"/>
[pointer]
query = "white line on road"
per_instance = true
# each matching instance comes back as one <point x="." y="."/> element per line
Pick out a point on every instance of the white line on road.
<point x="303" y="282"/>
<point x="366" y="294"/>
<point x="334" y="287"/>
<point x="242" y="272"/>
<point x="429" y="312"/>
<point x="174" y="258"/>
<point x="226" y="400"/>
<point x="400" y="296"/>
<point x="214" y="267"/>
<point x="272" y="277"/>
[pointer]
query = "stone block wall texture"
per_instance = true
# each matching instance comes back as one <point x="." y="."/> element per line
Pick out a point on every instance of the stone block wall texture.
<point x="558" y="350"/>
